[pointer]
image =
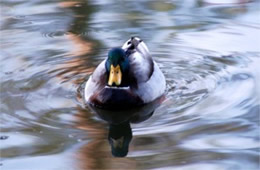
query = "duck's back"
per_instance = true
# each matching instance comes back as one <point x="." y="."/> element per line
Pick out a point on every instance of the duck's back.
<point x="150" y="80"/>
<point x="141" y="63"/>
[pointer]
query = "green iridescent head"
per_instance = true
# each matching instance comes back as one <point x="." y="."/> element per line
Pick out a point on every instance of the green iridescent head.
<point x="117" y="65"/>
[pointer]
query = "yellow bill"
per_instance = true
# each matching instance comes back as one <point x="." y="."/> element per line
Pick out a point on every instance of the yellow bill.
<point x="115" y="75"/>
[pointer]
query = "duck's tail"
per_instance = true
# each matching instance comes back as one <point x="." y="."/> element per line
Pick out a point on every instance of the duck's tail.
<point x="135" y="44"/>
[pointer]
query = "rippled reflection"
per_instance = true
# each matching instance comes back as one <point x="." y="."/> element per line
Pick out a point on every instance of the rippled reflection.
<point x="120" y="132"/>
<point x="208" y="51"/>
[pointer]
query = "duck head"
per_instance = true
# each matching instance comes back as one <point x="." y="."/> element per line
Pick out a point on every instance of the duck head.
<point x="117" y="67"/>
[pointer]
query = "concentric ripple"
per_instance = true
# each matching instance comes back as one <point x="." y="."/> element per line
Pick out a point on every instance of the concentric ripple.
<point x="208" y="51"/>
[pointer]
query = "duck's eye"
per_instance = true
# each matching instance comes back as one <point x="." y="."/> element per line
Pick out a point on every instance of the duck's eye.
<point x="128" y="42"/>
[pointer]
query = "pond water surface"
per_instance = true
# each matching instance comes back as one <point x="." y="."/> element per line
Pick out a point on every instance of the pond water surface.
<point x="208" y="51"/>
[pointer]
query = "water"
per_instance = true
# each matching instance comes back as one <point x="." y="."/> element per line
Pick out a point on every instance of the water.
<point x="208" y="51"/>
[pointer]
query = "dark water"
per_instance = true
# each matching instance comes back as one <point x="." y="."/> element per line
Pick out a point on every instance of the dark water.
<point x="208" y="51"/>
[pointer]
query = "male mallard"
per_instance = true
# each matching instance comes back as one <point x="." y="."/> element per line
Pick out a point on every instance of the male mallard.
<point x="128" y="77"/>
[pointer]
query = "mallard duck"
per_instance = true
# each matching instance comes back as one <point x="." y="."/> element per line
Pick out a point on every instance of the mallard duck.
<point x="128" y="77"/>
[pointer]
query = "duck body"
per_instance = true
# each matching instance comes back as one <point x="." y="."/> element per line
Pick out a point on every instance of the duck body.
<point x="127" y="78"/>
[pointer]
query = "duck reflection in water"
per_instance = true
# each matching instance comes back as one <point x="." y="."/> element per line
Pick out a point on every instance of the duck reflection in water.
<point x="120" y="131"/>
<point x="119" y="137"/>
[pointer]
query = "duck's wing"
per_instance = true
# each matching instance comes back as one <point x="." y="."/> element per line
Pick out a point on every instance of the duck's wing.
<point x="141" y="63"/>
<point x="150" y="80"/>
<point x="97" y="81"/>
